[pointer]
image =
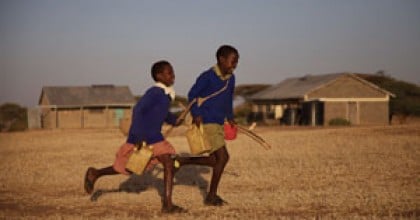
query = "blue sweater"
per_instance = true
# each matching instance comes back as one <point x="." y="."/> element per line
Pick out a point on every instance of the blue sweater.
<point x="148" y="116"/>
<point x="217" y="108"/>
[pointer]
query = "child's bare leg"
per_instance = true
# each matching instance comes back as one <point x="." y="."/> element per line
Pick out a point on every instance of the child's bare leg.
<point x="93" y="174"/>
<point x="168" y="177"/>
<point x="222" y="157"/>
<point x="106" y="171"/>
<point x="217" y="160"/>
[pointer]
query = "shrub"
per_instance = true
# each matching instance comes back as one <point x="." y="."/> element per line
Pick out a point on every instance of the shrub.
<point x="19" y="125"/>
<point x="12" y="117"/>
<point x="339" y="122"/>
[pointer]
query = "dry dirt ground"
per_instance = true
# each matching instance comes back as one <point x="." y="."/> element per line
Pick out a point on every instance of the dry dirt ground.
<point x="310" y="173"/>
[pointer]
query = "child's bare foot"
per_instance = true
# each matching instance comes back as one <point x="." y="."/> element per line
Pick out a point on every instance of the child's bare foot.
<point x="214" y="201"/>
<point x="90" y="178"/>
<point x="173" y="209"/>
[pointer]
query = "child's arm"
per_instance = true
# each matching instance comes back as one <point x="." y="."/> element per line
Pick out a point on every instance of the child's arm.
<point x="135" y="130"/>
<point x="229" y="113"/>
<point x="171" y="119"/>
<point x="195" y="92"/>
<point x="144" y="103"/>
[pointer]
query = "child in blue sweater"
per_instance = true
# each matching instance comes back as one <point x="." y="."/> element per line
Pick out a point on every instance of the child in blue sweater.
<point x="148" y="116"/>
<point x="213" y="113"/>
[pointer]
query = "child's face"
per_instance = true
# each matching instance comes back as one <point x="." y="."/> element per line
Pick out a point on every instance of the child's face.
<point x="228" y="64"/>
<point x="167" y="76"/>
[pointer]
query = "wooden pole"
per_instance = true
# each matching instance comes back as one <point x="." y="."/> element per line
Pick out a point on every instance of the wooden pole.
<point x="82" y="117"/>
<point x="56" y="118"/>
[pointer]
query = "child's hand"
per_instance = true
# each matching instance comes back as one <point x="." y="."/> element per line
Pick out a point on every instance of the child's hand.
<point x="179" y="121"/>
<point x="232" y="122"/>
<point x="197" y="120"/>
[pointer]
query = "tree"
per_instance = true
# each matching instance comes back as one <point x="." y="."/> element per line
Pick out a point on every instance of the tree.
<point x="407" y="100"/>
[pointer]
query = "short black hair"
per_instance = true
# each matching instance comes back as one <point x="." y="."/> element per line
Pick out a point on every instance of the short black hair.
<point x="158" y="68"/>
<point x="225" y="50"/>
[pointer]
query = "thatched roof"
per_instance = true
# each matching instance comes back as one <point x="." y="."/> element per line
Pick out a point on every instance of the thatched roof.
<point x="95" y="95"/>
<point x="298" y="87"/>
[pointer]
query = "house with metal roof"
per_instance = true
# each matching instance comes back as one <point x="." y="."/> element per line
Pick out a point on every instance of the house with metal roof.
<point x="96" y="106"/>
<point x="318" y="99"/>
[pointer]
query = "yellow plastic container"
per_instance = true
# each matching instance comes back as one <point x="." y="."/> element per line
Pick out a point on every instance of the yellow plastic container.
<point x="139" y="159"/>
<point x="197" y="140"/>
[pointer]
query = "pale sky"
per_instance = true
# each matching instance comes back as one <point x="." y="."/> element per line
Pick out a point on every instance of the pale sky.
<point x="85" y="42"/>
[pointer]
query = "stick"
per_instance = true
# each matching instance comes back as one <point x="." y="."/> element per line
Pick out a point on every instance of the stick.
<point x="246" y="131"/>
<point x="254" y="136"/>
<point x="181" y="116"/>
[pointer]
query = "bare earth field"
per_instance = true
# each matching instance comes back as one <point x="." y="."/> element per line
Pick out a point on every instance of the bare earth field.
<point x="311" y="173"/>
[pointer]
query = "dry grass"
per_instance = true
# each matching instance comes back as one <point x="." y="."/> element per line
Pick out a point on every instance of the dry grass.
<point x="332" y="173"/>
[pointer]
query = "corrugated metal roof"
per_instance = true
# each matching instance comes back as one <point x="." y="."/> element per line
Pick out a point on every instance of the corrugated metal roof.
<point x="298" y="87"/>
<point x="88" y="95"/>
<point x="295" y="88"/>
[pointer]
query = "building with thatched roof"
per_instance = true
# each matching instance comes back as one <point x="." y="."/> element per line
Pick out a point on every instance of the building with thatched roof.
<point x="318" y="99"/>
<point x="96" y="106"/>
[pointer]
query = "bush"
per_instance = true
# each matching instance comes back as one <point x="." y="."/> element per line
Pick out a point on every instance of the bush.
<point x="339" y="122"/>
<point x="12" y="117"/>
<point x="19" y="125"/>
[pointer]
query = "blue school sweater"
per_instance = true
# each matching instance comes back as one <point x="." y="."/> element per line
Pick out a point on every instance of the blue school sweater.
<point x="215" y="109"/>
<point x="148" y="116"/>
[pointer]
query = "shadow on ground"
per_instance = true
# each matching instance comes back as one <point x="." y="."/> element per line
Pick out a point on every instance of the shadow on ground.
<point x="186" y="175"/>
